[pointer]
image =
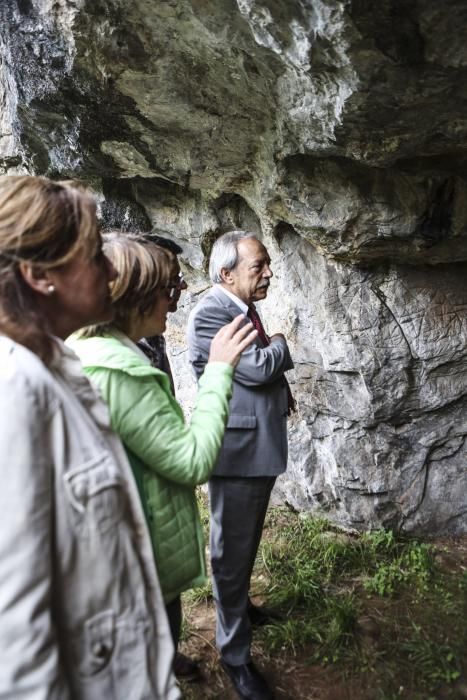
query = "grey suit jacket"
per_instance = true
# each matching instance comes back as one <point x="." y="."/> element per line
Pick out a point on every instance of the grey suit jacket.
<point x="255" y="442"/>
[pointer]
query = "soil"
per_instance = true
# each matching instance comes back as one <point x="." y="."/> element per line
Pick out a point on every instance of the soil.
<point x="290" y="677"/>
<point x="293" y="677"/>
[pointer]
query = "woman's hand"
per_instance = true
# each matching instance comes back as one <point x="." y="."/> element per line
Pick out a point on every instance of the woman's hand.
<point x="231" y="340"/>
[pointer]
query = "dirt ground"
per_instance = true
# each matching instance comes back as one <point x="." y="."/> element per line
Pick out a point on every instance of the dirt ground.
<point x="293" y="677"/>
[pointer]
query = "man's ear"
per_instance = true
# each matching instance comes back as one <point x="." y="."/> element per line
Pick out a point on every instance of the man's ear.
<point x="36" y="278"/>
<point x="226" y="276"/>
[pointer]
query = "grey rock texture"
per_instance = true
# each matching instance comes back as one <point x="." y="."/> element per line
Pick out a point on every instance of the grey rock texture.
<point x="335" y="129"/>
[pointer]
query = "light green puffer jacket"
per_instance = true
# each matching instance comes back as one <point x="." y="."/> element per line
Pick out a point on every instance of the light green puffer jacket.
<point x="168" y="457"/>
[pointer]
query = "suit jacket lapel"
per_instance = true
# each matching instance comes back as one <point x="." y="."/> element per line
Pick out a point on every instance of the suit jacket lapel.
<point x="227" y="303"/>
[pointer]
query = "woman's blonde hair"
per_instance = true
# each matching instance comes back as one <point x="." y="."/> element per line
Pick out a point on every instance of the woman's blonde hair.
<point x="143" y="268"/>
<point x="44" y="223"/>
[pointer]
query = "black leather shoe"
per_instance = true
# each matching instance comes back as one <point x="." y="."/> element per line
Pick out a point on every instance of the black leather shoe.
<point x="248" y="681"/>
<point x="261" y="616"/>
<point x="186" y="669"/>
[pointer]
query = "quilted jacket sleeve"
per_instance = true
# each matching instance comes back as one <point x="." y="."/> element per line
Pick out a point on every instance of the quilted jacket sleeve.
<point x="29" y="666"/>
<point x="152" y="427"/>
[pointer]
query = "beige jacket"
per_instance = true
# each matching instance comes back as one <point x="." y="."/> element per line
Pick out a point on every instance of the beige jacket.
<point x="81" y="613"/>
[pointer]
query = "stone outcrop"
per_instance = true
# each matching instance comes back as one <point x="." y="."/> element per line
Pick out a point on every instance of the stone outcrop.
<point x="337" y="131"/>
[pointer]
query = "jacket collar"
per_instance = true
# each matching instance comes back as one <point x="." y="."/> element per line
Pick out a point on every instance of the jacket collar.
<point x="223" y="299"/>
<point x="233" y="298"/>
<point x="110" y="352"/>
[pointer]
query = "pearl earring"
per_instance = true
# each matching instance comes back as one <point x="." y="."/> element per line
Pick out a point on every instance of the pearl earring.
<point x="50" y="289"/>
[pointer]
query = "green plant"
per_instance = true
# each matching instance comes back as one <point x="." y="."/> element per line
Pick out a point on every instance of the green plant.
<point x="200" y="594"/>
<point x="377" y="609"/>
<point x="328" y="626"/>
<point x="203" y="508"/>
<point x="463" y="584"/>
<point x="413" y="564"/>
<point x="186" y="629"/>
<point x="432" y="660"/>
<point x="306" y="557"/>
<point x="338" y="623"/>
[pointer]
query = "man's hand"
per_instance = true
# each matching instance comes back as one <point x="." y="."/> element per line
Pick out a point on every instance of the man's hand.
<point x="231" y="340"/>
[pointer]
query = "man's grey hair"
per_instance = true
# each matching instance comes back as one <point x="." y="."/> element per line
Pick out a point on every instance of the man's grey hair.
<point x="224" y="254"/>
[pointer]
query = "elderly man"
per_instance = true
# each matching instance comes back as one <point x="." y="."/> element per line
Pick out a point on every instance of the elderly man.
<point x="254" y="450"/>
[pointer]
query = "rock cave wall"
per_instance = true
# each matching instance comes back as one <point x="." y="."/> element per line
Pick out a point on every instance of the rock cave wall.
<point x="337" y="131"/>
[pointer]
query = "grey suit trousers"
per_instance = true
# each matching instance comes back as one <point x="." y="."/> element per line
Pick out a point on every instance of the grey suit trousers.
<point x="238" y="508"/>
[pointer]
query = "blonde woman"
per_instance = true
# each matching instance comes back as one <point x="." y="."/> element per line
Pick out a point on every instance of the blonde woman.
<point x="169" y="457"/>
<point x="81" y="613"/>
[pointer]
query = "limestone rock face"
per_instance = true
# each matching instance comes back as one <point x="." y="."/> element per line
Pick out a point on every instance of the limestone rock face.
<point x="337" y="131"/>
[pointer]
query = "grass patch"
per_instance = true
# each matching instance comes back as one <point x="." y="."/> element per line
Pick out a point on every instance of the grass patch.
<point x="380" y="615"/>
<point x="374" y="604"/>
<point x="201" y="594"/>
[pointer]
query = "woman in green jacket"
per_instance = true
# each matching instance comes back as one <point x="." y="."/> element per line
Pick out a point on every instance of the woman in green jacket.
<point x="169" y="458"/>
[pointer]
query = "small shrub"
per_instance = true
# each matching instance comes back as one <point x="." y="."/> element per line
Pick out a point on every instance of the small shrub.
<point x="200" y="594"/>
<point x="413" y="565"/>
<point x="432" y="661"/>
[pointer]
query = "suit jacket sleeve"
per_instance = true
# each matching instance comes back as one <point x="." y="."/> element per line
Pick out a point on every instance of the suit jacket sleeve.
<point x="257" y="365"/>
<point x="29" y="665"/>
